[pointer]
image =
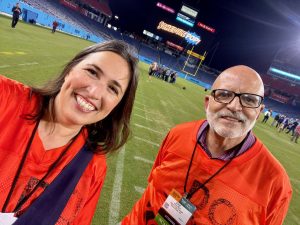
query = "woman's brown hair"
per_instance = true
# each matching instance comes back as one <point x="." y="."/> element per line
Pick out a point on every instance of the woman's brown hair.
<point x="112" y="132"/>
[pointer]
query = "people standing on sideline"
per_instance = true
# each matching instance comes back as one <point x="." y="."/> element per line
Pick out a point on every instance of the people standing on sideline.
<point x="216" y="171"/>
<point x="16" y="14"/>
<point x="280" y="121"/>
<point x="276" y="118"/>
<point x="54" y="26"/>
<point x="284" y="124"/>
<point x="152" y="70"/>
<point x="296" y="134"/>
<point x="173" y="77"/>
<point x="54" y="138"/>
<point x="267" y="115"/>
<point x="293" y="126"/>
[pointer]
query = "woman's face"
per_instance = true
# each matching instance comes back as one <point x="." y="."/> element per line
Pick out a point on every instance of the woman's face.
<point x="92" y="89"/>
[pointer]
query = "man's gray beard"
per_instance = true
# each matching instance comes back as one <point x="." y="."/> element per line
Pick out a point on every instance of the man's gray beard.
<point x="233" y="133"/>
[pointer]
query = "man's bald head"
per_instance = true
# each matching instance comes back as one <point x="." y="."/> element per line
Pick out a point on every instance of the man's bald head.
<point x="243" y="77"/>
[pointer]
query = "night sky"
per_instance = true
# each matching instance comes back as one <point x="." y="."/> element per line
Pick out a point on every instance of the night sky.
<point x="248" y="32"/>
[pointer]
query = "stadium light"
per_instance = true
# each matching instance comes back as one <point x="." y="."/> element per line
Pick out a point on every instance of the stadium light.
<point x="116" y="17"/>
<point x="281" y="72"/>
<point x="109" y="25"/>
<point x="184" y="21"/>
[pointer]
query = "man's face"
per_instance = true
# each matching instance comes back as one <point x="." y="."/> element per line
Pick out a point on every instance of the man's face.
<point x="232" y="120"/>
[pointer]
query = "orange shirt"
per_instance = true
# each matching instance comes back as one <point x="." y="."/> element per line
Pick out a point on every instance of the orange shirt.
<point x="253" y="189"/>
<point x="15" y="132"/>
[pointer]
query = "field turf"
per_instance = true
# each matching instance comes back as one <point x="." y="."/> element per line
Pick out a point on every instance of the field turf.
<point x="33" y="54"/>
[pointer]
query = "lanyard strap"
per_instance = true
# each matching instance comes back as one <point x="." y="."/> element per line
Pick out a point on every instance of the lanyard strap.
<point x="48" y="207"/>
<point x="23" y="200"/>
<point x="192" y="191"/>
<point x="20" y="167"/>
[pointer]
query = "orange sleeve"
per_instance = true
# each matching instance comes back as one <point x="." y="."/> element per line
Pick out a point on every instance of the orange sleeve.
<point x="86" y="214"/>
<point x="12" y="93"/>
<point x="159" y="157"/>
<point x="278" y="213"/>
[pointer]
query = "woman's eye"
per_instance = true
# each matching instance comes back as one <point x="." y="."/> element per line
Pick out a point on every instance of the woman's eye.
<point x="115" y="90"/>
<point x="92" y="72"/>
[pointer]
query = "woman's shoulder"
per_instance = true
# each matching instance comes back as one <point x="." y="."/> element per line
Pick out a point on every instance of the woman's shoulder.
<point x="9" y="86"/>
<point x="15" y="95"/>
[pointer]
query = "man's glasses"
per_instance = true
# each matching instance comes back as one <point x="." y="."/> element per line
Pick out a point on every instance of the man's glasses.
<point x="246" y="99"/>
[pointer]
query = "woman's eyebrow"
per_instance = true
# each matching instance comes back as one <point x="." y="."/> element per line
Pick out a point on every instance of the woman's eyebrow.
<point x="96" y="67"/>
<point x="116" y="83"/>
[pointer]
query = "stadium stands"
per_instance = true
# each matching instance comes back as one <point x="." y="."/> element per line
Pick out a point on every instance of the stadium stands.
<point x="288" y="110"/>
<point x="54" y="8"/>
<point x="102" y="6"/>
<point x="74" y="18"/>
<point x="279" y="84"/>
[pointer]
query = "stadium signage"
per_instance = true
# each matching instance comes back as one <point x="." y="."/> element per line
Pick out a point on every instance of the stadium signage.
<point x="164" y="7"/>
<point x="185" y="19"/>
<point x="171" y="44"/>
<point x="149" y="34"/>
<point x="191" y="38"/>
<point x="210" y="29"/>
<point x="189" y="11"/>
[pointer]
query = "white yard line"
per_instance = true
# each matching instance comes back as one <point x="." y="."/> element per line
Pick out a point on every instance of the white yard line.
<point x="114" y="208"/>
<point x="4" y="66"/>
<point x="148" y="128"/>
<point x="139" y="189"/>
<point x="144" y="140"/>
<point x="136" y="107"/>
<point x="143" y="160"/>
<point x="28" y="64"/>
<point x="139" y="103"/>
<point x="143" y="117"/>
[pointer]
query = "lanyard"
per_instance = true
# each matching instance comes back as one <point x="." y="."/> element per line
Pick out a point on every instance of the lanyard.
<point x="192" y="191"/>
<point x="51" y="168"/>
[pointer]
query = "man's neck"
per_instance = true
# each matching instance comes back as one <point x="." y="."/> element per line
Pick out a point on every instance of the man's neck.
<point x="218" y="145"/>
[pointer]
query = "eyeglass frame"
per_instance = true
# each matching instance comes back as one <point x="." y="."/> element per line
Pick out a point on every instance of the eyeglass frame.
<point x="236" y="95"/>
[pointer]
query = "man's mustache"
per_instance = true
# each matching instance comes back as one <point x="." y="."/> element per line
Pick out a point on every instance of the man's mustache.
<point x="238" y="116"/>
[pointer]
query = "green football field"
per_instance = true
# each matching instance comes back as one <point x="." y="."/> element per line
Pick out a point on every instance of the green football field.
<point x="32" y="55"/>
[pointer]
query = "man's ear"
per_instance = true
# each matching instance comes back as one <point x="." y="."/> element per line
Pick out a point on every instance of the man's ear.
<point x="206" y="101"/>
<point x="260" y="110"/>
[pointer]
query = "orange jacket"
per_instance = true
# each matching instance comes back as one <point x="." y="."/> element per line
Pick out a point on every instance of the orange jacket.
<point x="15" y="132"/>
<point x="253" y="189"/>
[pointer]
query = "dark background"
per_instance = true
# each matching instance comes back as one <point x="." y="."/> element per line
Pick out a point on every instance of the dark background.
<point x="247" y="32"/>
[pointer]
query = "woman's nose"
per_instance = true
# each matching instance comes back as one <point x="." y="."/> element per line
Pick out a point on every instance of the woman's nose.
<point x="97" y="90"/>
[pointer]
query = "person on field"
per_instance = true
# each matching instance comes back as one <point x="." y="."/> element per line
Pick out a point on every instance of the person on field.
<point x="275" y="120"/>
<point x="296" y="134"/>
<point x="54" y="26"/>
<point x="216" y="171"/>
<point x="152" y="70"/>
<point x="54" y="139"/>
<point x="16" y="10"/>
<point x="267" y="115"/>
